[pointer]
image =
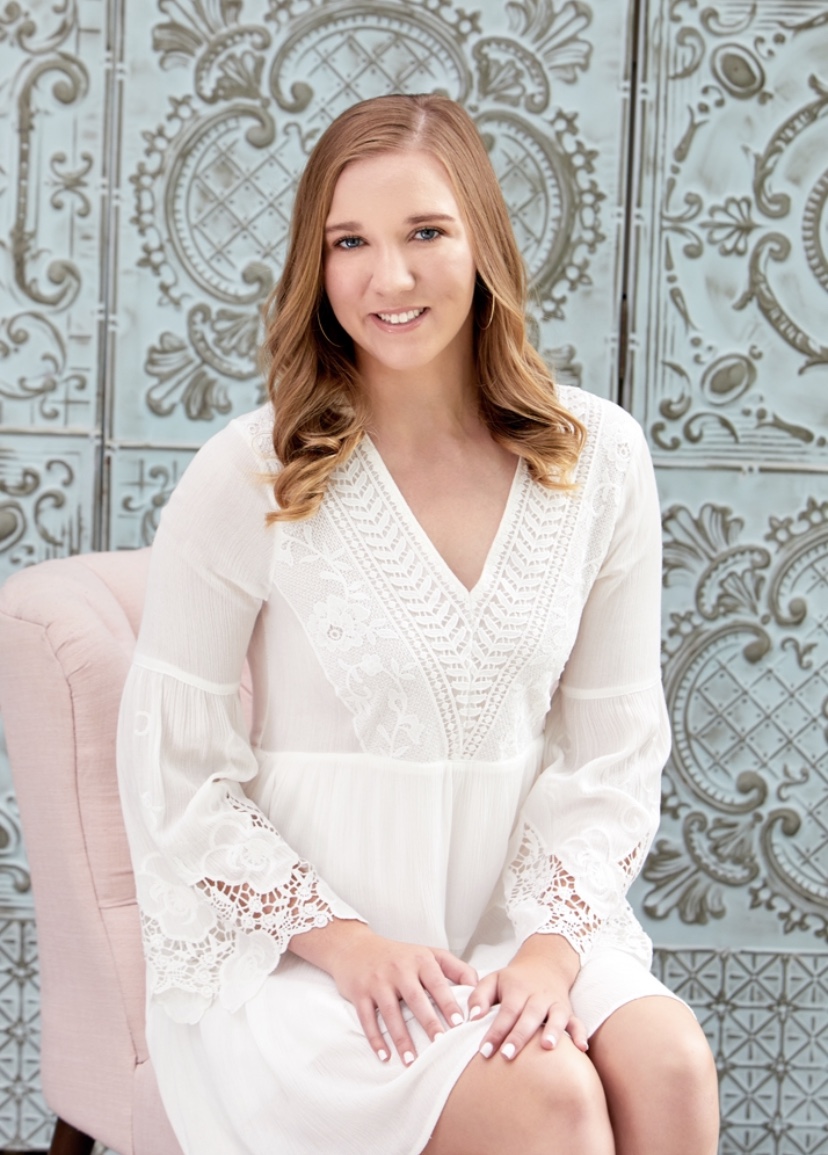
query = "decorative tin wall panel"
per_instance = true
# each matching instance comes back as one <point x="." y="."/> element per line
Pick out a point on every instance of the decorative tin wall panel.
<point x="744" y="834"/>
<point x="52" y="232"/>
<point x="728" y="358"/>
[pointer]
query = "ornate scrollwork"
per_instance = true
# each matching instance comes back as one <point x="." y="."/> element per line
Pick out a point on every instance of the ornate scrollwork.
<point x="19" y="28"/>
<point x="516" y="74"/>
<point x="70" y="85"/>
<point x="46" y="379"/>
<point x="145" y="494"/>
<point x="13" y="868"/>
<point x="747" y="693"/>
<point x="36" y="518"/>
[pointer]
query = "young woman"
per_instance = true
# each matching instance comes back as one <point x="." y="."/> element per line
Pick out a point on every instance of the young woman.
<point x="388" y="916"/>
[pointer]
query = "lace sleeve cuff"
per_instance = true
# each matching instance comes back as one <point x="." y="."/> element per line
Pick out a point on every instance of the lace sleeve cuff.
<point x="544" y="897"/>
<point x="220" y="937"/>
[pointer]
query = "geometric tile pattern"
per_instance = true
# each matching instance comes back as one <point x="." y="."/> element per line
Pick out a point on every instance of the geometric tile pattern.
<point x="766" y="1017"/>
<point x="25" y="1120"/>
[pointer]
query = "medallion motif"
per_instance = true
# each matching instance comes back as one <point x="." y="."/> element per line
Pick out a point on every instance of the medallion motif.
<point x="746" y="678"/>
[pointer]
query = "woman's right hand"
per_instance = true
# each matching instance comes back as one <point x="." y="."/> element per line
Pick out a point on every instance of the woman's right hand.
<point x="378" y="974"/>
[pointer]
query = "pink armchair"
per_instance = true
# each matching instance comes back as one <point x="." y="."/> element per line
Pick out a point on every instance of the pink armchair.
<point x="67" y="630"/>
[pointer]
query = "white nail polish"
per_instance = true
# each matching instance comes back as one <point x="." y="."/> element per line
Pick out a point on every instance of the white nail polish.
<point x="486" y="1050"/>
<point x="408" y="1058"/>
<point x="438" y="1035"/>
<point x="553" y="1042"/>
<point x="456" y="1019"/>
<point x="474" y="1013"/>
<point x="508" y="1050"/>
<point x="382" y="1056"/>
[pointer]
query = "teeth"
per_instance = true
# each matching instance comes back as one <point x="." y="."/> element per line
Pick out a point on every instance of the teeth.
<point x="400" y="318"/>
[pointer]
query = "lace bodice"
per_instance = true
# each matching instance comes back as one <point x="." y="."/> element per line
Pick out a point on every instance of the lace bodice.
<point x="355" y="611"/>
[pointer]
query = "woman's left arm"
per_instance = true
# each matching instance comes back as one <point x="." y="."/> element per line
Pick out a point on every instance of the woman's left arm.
<point x="589" y="820"/>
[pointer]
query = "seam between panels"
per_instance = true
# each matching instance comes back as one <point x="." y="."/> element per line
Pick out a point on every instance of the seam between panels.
<point x="111" y="193"/>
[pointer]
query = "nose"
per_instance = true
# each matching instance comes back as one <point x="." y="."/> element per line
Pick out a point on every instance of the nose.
<point x="392" y="272"/>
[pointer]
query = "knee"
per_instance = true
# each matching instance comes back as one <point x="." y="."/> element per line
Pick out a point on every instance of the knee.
<point x="572" y="1099"/>
<point x="687" y="1071"/>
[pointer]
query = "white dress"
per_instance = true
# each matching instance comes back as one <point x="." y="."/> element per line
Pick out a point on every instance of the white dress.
<point x="404" y="766"/>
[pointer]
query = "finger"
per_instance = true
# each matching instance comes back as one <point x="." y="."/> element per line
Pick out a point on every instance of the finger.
<point x="389" y="1008"/>
<point x="424" y="1010"/>
<point x="504" y="1022"/>
<point x="557" y="1021"/>
<point x="367" y="1013"/>
<point x="483" y="997"/>
<point x="437" y="986"/>
<point x="455" y="969"/>
<point x="577" y="1032"/>
<point x="526" y="1026"/>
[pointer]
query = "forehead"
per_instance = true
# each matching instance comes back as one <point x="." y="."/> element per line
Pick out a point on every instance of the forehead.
<point x="405" y="181"/>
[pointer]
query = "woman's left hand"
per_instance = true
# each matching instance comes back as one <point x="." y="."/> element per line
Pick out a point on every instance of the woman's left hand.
<point x="533" y="992"/>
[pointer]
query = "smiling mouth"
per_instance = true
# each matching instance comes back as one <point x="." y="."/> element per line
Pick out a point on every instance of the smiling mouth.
<point x="401" y="318"/>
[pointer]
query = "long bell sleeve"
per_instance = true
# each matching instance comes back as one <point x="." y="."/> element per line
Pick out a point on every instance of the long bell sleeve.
<point x="591" y="816"/>
<point x="219" y="890"/>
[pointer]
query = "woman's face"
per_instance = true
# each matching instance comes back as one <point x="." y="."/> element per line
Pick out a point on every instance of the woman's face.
<point x="399" y="269"/>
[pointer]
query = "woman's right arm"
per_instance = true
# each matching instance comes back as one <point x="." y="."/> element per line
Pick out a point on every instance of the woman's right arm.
<point x="221" y="894"/>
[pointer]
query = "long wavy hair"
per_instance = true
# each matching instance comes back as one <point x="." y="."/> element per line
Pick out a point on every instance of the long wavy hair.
<point x="320" y="411"/>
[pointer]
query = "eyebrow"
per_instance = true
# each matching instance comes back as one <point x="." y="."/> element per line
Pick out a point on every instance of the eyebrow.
<point x="419" y="219"/>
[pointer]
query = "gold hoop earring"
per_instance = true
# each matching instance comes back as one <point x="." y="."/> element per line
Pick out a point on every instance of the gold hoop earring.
<point x="488" y="324"/>
<point x="335" y="344"/>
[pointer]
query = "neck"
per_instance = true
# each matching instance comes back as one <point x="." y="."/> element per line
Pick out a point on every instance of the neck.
<point x="419" y="406"/>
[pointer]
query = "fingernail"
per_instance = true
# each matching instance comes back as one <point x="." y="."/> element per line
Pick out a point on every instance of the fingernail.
<point x="508" y="1050"/>
<point x="437" y="1035"/>
<point x="456" y="1019"/>
<point x="474" y="1012"/>
<point x="486" y="1050"/>
<point x="553" y="1042"/>
<point x="382" y="1056"/>
<point x="408" y="1058"/>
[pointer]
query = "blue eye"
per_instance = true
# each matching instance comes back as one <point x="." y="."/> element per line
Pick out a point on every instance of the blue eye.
<point x="433" y="234"/>
<point x="348" y="243"/>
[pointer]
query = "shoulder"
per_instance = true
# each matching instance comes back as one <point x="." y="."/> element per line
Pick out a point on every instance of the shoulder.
<point x="614" y="437"/>
<point x="255" y="430"/>
<point x="604" y="420"/>
<point x="232" y="469"/>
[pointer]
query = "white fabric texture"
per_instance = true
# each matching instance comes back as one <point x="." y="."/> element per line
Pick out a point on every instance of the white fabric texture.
<point x="458" y="768"/>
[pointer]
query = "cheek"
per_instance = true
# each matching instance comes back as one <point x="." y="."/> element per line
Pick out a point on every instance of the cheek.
<point x="341" y="280"/>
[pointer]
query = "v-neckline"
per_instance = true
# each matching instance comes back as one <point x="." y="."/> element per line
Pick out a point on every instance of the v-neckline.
<point x="395" y="496"/>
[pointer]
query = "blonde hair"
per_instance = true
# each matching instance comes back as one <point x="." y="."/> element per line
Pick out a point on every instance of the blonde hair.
<point x="320" y="411"/>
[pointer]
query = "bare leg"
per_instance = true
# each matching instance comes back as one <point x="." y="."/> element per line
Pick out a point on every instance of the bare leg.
<point x="540" y="1103"/>
<point x="660" y="1079"/>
